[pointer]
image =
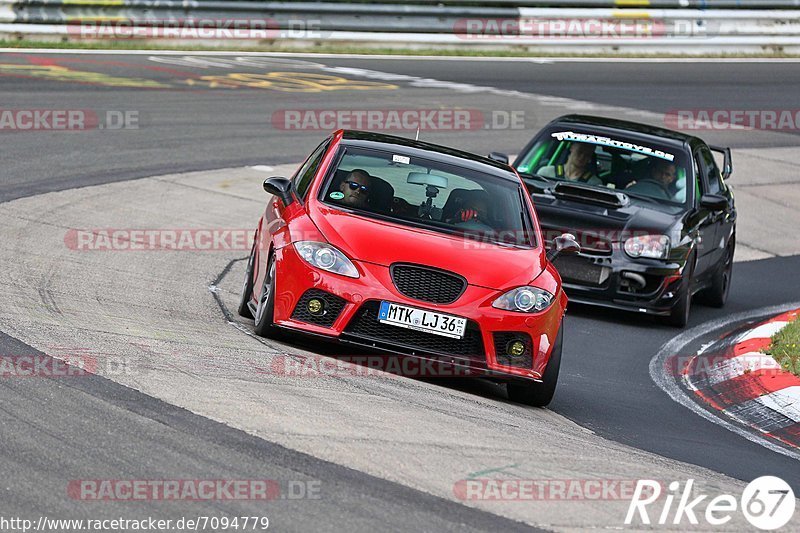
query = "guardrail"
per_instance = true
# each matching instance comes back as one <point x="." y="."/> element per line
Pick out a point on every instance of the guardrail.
<point x="683" y="25"/>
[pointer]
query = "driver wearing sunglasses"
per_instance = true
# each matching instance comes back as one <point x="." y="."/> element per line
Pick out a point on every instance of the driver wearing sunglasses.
<point x="355" y="188"/>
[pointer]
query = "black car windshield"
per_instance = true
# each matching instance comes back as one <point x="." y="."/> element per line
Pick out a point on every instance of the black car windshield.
<point x="648" y="171"/>
<point x="421" y="192"/>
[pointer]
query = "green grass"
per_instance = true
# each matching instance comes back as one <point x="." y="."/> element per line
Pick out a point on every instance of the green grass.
<point x="785" y="347"/>
<point x="342" y="49"/>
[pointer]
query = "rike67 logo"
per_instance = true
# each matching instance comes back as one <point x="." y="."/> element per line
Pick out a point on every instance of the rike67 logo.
<point x="767" y="503"/>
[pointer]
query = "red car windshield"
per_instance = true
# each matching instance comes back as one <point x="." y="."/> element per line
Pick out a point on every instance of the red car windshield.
<point x="424" y="193"/>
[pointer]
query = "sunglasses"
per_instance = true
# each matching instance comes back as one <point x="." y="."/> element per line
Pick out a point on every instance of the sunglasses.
<point x="354" y="185"/>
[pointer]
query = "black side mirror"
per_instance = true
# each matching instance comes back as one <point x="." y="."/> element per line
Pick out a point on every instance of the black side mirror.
<point x="280" y="187"/>
<point x="713" y="202"/>
<point x="499" y="156"/>
<point x="563" y="244"/>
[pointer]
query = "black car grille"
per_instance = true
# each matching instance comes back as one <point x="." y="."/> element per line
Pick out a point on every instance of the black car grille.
<point x="581" y="270"/>
<point x="501" y="341"/>
<point x="333" y="308"/>
<point x="428" y="284"/>
<point x="365" y="326"/>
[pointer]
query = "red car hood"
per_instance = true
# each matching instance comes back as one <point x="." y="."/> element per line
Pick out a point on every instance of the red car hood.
<point x="384" y="243"/>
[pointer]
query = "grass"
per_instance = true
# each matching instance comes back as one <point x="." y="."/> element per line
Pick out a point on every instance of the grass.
<point x="785" y="347"/>
<point x="344" y="49"/>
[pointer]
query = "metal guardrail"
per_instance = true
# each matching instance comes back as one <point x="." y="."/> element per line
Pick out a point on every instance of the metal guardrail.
<point x="261" y="4"/>
<point x="773" y="24"/>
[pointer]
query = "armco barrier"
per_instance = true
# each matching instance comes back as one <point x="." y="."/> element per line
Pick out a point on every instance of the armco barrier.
<point x="621" y="25"/>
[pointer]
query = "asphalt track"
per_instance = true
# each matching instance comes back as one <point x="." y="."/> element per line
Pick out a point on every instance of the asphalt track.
<point x="605" y="384"/>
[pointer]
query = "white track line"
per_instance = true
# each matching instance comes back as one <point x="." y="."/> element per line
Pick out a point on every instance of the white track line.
<point x="737" y="366"/>
<point x="785" y="401"/>
<point x="764" y="331"/>
<point x="668" y="384"/>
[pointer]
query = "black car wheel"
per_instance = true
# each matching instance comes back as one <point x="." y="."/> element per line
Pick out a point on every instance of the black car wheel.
<point x="266" y="304"/>
<point x="679" y="315"/>
<point x="540" y="394"/>
<point x="717" y="294"/>
<point x="247" y="286"/>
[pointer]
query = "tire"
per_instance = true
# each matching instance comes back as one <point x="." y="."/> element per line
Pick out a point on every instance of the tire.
<point x="679" y="315"/>
<point x="266" y="304"/>
<point x="540" y="394"/>
<point x="717" y="294"/>
<point x="247" y="285"/>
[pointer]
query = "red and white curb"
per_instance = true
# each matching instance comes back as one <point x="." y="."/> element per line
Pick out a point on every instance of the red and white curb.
<point x="733" y="377"/>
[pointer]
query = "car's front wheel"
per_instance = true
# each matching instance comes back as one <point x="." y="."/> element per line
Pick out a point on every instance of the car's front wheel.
<point x="266" y="304"/>
<point x="717" y="294"/>
<point x="679" y="315"/>
<point x="247" y="286"/>
<point x="539" y="394"/>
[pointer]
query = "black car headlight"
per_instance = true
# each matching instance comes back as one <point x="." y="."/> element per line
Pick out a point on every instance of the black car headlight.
<point x="650" y="246"/>
<point x="326" y="257"/>
<point x="524" y="300"/>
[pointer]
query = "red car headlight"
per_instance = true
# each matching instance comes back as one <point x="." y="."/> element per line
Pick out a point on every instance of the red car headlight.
<point x="524" y="300"/>
<point x="325" y="257"/>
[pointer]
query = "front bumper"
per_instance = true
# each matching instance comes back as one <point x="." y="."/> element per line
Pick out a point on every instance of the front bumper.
<point x="615" y="280"/>
<point x="354" y="302"/>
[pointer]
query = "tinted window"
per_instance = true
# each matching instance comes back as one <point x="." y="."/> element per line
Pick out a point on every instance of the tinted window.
<point x="303" y="178"/>
<point x="426" y="193"/>
<point x="710" y="170"/>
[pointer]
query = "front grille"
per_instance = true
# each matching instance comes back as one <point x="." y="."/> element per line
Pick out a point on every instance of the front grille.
<point x="502" y="340"/>
<point x="580" y="270"/>
<point x="365" y="326"/>
<point x="333" y="307"/>
<point x="428" y="284"/>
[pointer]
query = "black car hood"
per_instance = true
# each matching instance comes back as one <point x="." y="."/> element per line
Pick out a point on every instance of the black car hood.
<point x="637" y="217"/>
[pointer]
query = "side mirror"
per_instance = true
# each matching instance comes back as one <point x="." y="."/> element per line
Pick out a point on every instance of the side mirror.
<point x="280" y="187"/>
<point x="499" y="156"/>
<point x="564" y="244"/>
<point x="713" y="202"/>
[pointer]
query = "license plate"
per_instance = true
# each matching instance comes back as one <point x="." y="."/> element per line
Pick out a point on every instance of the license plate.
<point x="421" y="320"/>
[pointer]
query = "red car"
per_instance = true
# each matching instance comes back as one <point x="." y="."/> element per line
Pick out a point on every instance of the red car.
<point x="416" y="250"/>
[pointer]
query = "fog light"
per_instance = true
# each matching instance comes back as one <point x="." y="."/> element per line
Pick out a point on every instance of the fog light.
<point x="316" y="307"/>
<point x="515" y="348"/>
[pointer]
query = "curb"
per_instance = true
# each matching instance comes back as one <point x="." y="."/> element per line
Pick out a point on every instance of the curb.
<point x="733" y="377"/>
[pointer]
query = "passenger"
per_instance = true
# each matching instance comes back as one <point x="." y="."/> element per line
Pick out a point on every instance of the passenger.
<point x="578" y="166"/>
<point x="356" y="188"/>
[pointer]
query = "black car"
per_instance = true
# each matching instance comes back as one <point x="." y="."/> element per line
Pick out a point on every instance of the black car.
<point x="650" y="208"/>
